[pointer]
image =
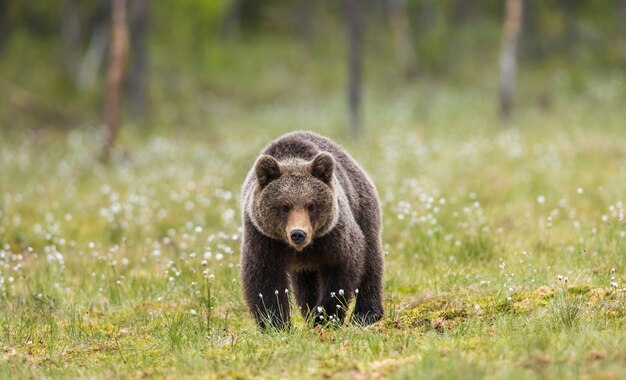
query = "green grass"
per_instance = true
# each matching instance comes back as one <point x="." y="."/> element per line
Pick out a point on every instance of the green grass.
<point x="131" y="270"/>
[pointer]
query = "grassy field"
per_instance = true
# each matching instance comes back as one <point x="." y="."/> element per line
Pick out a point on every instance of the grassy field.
<point x="505" y="244"/>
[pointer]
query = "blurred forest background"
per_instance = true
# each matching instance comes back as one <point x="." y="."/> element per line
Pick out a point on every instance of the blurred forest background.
<point x="186" y="64"/>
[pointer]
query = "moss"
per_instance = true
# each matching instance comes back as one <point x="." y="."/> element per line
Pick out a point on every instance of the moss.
<point x="501" y="307"/>
<point x="579" y="289"/>
<point x="454" y="313"/>
<point x="616" y="314"/>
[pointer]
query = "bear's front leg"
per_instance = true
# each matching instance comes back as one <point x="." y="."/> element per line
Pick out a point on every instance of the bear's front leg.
<point x="264" y="277"/>
<point x="336" y="289"/>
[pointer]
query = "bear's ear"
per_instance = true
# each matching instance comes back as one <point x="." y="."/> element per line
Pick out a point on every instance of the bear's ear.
<point x="267" y="169"/>
<point x="322" y="167"/>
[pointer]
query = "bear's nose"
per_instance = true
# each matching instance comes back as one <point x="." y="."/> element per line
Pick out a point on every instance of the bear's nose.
<point x="298" y="236"/>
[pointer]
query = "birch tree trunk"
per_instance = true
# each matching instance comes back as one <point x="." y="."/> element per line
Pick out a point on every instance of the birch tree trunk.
<point x="304" y="16"/>
<point x="231" y="23"/>
<point x="508" y="56"/>
<point x="354" y="24"/>
<point x="138" y="75"/>
<point x="70" y="36"/>
<point x="118" y="51"/>
<point x="401" y="28"/>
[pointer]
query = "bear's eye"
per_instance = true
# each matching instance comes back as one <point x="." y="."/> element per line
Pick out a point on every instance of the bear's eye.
<point x="284" y="208"/>
<point x="311" y="208"/>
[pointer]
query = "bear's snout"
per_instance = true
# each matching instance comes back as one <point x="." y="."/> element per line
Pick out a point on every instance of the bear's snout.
<point x="298" y="236"/>
<point x="298" y="230"/>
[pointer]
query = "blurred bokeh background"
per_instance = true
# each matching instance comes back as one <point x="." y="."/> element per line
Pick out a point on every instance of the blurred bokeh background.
<point x="346" y="66"/>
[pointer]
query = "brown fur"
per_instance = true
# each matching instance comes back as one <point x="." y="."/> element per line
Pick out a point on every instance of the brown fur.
<point x="303" y="181"/>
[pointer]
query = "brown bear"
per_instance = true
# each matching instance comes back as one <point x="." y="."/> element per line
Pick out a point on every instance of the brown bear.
<point x="312" y="223"/>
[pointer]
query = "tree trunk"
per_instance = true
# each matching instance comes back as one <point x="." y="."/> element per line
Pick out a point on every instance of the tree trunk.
<point x="401" y="28"/>
<point x="304" y="16"/>
<point x="231" y="23"/>
<point x="354" y="21"/>
<point x="620" y="14"/>
<point x="570" y="40"/>
<point x="70" y="36"/>
<point x="118" y="51"/>
<point x="138" y="76"/>
<point x="93" y="58"/>
<point x="508" y="56"/>
<point x="5" y="24"/>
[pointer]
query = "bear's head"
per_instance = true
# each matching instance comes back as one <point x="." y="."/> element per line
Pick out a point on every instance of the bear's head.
<point x="295" y="200"/>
